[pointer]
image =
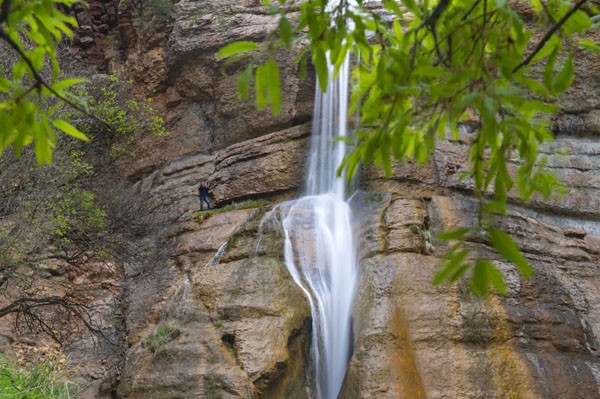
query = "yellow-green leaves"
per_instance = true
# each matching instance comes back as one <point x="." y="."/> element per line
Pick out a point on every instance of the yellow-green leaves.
<point x="320" y="61"/>
<point x="411" y="5"/>
<point x="273" y="86"/>
<point x="236" y="48"/>
<point x="286" y="31"/>
<point x="484" y="273"/>
<point x="244" y="81"/>
<point x="505" y="245"/>
<point x="261" y="83"/>
<point x="453" y="266"/>
<point x="564" y="77"/>
<point x="590" y="46"/>
<point x="268" y="87"/>
<point x="23" y="118"/>
<point x="266" y="78"/>
<point x="66" y="83"/>
<point x="69" y="129"/>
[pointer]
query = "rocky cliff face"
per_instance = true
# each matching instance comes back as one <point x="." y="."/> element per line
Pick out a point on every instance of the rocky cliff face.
<point x="223" y="318"/>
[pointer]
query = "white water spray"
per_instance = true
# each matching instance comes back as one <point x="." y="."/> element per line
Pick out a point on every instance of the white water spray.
<point x="319" y="248"/>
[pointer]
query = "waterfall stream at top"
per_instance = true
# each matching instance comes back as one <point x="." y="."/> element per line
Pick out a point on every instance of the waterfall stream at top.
<point x="319" y="248"/>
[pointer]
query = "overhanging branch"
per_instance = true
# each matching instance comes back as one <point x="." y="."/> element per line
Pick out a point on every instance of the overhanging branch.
<point x="38" y="78"/>
<point x="549" y="34"/>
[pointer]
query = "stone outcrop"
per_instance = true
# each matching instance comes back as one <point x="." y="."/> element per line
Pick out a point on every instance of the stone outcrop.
<point x="242" y="324"/>
<point x="178" y="67"/>
<point x="243" y="327"/>
<point x="267" y="167"/>
<point x="415" y="340"/>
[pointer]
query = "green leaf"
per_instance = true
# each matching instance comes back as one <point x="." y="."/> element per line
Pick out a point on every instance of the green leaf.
<point x="303" y="67"/>
<point x="455" y="262"/>
<point x="505" y="245"/>
<point x="236" y="48"/>
<point x="398" y="29"/>
<point x="453" y="234"/>
<point x="547" y="49"/>
<point x="69" y="129"/>
<point x="533" y="85"/>
<point x="285" y="29"/>
<point x="564" y="78"/>
<point x="244" y="81"/>
<point x="19" y="69"/>
<point x="42" y="148"/>
<point x="66" y="83"/>
<point x="484" y="273"/>
<point x="479" y="280"/>
<point x="274" y="86"/>
<point x="5" y="85"/>
<point x="320" y="61"/>
<point x="261" y="82"/>
<point x="590" y="46"/>
<point x="411" y="5"/>
<point x="549" y="69"/>
<point x="578" y="22"/>
<point x="459" y="273"/>
<point x="496" y="277"/>
<point x="392" y="6"/>
<point x="301" y="55"/>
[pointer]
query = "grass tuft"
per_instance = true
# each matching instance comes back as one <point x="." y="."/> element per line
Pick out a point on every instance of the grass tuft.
<point x="163" y="334"/>
<point x="200" y="216"/>
<point x="42" y="380"/>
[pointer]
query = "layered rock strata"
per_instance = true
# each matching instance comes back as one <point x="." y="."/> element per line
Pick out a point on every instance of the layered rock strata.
<point x="243" y="325"/>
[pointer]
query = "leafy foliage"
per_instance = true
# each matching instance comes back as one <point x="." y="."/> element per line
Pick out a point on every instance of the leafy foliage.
<point x="33" y="101"/>
<point x="200" y="216"/>
<point x="423" y="68"/>
<point x="28" y="107"/>
<point x="43" y="380"/>
<point x="163" y="334"/>
<point x="110" y="99"/>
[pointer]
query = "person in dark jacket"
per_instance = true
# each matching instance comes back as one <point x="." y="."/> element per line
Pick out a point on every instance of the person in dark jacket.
<point x="203" y="191"/>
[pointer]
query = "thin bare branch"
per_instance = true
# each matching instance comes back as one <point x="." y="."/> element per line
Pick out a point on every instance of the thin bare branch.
<point x="549" y="34"/>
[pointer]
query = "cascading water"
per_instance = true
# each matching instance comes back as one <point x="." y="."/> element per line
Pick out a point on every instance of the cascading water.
<point x="319" y="248"/>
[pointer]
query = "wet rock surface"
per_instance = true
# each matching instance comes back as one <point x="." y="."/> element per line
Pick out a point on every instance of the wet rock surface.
<point x="176" y="64"/>
<point x="222" y="318"/>
<point x="416" y="340"/>
<point x="243" y="326"/>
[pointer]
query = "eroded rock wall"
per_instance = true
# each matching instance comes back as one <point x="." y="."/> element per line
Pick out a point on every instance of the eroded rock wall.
<point x="244" y="327"/>
<point x="416" y="340"/>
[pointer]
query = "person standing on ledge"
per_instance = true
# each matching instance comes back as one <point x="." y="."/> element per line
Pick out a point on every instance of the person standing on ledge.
<point x="203" y="191"/>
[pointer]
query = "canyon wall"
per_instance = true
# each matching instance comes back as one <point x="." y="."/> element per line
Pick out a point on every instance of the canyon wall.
<point x="221" y="317"/>
<point x="244" y="327"/>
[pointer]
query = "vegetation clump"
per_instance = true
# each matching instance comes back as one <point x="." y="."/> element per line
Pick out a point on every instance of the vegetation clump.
<point x="42" y="380"/>
<point x="200" y="216"/>
<point x="162" y="335"/>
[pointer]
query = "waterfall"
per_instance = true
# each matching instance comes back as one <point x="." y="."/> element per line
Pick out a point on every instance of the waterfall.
<point x="319" y="249"/>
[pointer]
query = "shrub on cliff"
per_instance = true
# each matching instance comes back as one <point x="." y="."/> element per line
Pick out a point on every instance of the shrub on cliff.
<point x="36" y="100"/>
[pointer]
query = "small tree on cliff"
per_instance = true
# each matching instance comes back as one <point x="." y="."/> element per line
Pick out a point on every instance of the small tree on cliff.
<point x="30" y="104"/>
<point x="424" y="67"/>
<point x="55" y="212"/>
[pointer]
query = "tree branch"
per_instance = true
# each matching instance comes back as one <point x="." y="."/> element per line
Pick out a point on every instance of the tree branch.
<point x="25" y="307"/>
<point x="549" y="34"/>
<point x="437" y="13"/>
<point x="470" y="10"/>
<point x="4" y="36"/>
<point x="4" y="11"/>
